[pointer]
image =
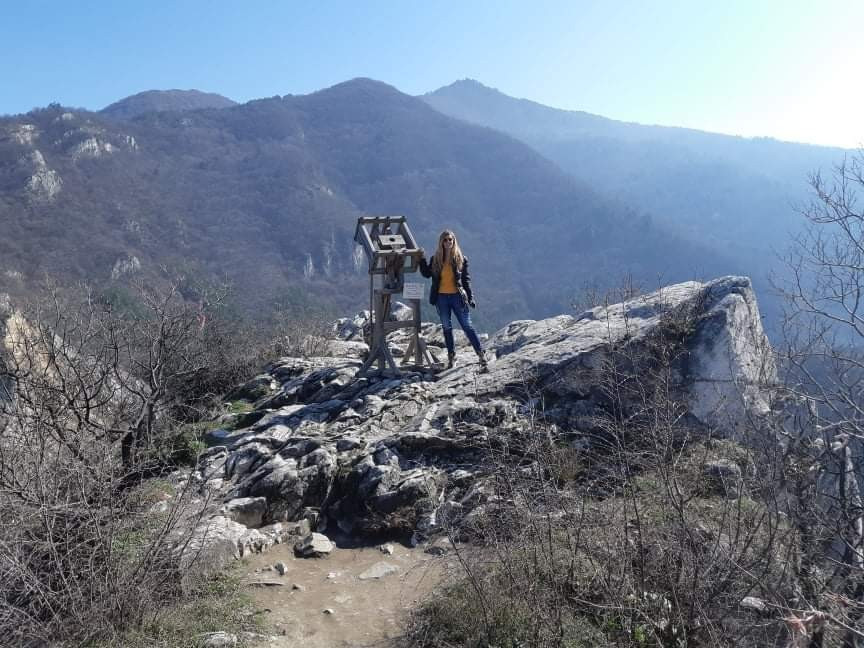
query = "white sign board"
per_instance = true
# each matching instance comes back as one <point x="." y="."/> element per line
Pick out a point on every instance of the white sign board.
<point x="413" y="290"/>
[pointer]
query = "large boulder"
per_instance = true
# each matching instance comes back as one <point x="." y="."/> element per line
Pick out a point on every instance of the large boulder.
<point x="390" y="455"/>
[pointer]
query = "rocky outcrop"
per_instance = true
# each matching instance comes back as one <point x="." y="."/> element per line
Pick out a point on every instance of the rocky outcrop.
<point x="391" y="455"/>
<point x="44" y="183"/>
<point x="23" y="134"/>
<point x="125" y="266"/>
<point x="92" y="147"/>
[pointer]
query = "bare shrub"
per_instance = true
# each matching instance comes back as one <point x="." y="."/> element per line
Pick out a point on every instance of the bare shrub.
<point x="92" y="521"/>
<point x="287" y="332"/>
<point x="824" y="360"/>
<point x="620" y="538"/>
<point x="595" y="293"/>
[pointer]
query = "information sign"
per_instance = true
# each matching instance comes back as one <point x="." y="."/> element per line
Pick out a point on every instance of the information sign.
<point x="412" y="290"/>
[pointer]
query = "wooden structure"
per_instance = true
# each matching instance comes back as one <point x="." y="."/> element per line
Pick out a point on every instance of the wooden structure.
<point x="391" y="252"/>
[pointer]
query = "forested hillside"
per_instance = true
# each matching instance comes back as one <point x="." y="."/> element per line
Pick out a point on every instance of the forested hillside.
<point x="266" y="195"/>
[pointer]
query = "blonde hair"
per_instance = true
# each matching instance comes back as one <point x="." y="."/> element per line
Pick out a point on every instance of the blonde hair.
<point x="455" y="254"/>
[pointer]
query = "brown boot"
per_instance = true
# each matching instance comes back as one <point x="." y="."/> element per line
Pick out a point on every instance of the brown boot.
<point x="451" y="360"/>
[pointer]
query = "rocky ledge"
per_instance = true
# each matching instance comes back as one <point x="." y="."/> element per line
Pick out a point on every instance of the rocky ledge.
<point x="382" y="455"/>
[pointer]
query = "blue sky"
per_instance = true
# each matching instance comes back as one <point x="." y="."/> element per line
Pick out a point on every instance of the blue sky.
<point x="789" y="69"/>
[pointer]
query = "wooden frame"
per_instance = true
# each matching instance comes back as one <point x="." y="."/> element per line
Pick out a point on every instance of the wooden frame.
<point x="391" y="251"/>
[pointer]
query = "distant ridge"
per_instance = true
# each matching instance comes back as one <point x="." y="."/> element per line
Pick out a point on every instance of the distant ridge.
<point x="265" y="197"/>
<point x="473" y="101"/>
<point x="727" y="193"/>
<point x="164" y="101"/>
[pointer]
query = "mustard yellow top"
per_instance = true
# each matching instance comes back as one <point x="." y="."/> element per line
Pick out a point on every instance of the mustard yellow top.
<point x="447" y="284"/>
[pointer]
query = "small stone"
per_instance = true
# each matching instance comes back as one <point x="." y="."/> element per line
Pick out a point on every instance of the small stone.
<point x="387" y="549"/>
<point x="332" y="575"/>
<point x="298" y="587"/>
<point x="248" y="511"/>
<point x="281" y="567"/>
<point x="378" y="570"/>
<point x="314" y="545"/>
<point x="435" y="550"/>
<point x="218" y="639"/>
<point x="328" y="611"/>
<point x="753" y="603"/>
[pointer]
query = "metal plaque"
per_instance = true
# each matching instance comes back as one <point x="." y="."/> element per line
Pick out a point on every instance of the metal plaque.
<point x="413" y="290"/>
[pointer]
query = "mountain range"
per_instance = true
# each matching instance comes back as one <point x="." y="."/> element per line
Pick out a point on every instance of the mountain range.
<point x="741" y="196"/>
<point x="265" y="195"/>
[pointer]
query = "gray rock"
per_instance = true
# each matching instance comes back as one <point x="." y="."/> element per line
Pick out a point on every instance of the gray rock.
<point x="281" y="567"/>
<point x="254" y="389"/>
<point x="217" y="639"/>
<point x="248" y="511"/>
<point x="343" y="445"/>
<point x="315" y="545"/>
<point x="397" y="455"/>
<point x="754" y="604"/>
<point x="723" y="477"/>
<point x="347" y="349"/>
<point x="386" y="549"/>
<point x="379" y="570"/>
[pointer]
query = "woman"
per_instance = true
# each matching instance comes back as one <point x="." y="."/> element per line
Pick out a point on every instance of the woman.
<point x="451" y="293"/>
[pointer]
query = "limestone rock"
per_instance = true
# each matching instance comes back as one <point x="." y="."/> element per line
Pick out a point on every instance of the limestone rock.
<point x="125" y="266"/>
<point x="754" y="604"/>
<point x="314" y="545"/>
<point x="218" y="639"/>
<point x="379" y="570"/>
<point x="44" y="184"/>
<point x="218" y="540"/>
<point x="402" y="455"/>
<point x="92" y="147"/>
<point x="248" y="511"/>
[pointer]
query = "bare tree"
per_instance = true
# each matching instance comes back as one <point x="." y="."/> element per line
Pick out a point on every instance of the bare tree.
<point x="95" y="402"/>
<point x="824" y="353"/>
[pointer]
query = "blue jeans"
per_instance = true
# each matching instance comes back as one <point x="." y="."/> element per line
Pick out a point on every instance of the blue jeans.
<point x="448" y="303"/>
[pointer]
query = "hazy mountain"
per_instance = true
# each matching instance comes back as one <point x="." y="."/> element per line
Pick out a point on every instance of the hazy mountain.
<point x="256" y="192"/>
<point x="732" y="194"/>
<point x="165" y="100"/>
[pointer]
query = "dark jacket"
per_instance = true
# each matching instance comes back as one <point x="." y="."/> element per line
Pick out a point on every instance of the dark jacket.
<point x="463" y="280"/>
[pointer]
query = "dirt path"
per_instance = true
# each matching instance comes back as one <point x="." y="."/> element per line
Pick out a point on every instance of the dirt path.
<point x="364" y="611"/>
